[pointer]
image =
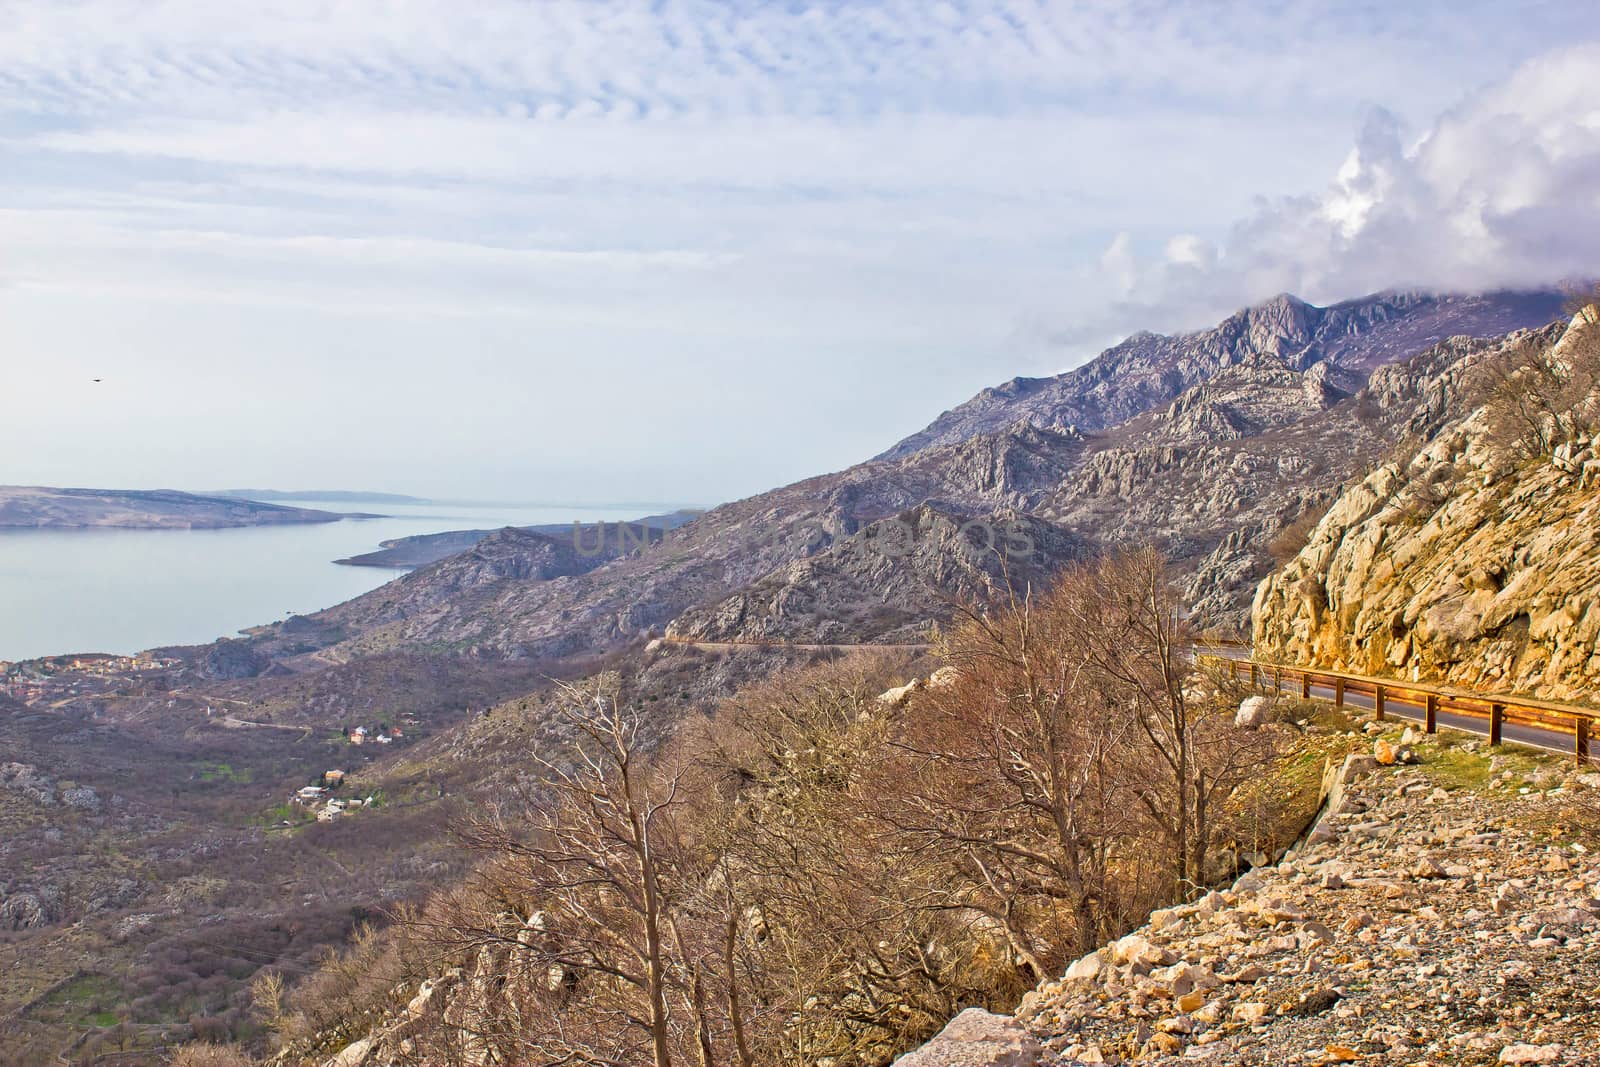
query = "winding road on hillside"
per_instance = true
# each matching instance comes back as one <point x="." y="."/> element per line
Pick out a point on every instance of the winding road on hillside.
<point x="1398" y="704"/>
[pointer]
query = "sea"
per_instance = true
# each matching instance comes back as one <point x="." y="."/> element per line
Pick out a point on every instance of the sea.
<point x="123" y="591"/>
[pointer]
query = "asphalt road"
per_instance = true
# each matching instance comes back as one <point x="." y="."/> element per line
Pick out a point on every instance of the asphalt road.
<point x="1398" y="707"/>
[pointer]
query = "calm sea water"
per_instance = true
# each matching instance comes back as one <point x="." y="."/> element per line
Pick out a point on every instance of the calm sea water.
<point x="121" y="591"/>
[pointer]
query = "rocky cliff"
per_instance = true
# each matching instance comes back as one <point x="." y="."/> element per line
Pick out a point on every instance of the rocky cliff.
<point x="1460" y="562"/>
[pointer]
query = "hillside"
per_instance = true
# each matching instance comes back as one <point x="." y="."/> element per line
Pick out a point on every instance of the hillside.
<point x="1443" y="913"/>
<point x="1469" y="559"/>
<point x="32" y="506"/>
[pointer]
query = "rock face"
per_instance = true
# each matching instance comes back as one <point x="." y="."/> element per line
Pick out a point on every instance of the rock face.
<point x="1452" y="565"/>
<point x="887" y="581"/>
<point x="1423" y="924"/>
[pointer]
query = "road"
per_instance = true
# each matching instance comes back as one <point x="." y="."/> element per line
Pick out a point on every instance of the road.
<point x="1398" y="706"/>
<point x="745" y="646"/>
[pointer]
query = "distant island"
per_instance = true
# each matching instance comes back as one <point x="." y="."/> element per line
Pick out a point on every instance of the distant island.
<point x="43" y="507"/>
<point x="419" y="550"/>
<point x="322" y="496"/>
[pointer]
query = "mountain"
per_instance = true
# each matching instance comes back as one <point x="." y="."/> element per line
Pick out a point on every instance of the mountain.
<point x="1470" y="557"/>
<point x="887" y="580"/>
<point x="1150" y="370"/>
<point x="1238" y="431"/>
<point x="159" y="509"/>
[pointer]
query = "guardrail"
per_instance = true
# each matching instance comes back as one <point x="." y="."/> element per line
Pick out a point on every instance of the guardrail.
<point x="1497" y="711"/>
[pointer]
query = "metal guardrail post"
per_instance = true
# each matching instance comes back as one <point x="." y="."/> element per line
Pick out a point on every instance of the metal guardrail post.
<point x="1305" y="685"/>
<point x="1497" y="716"/>
<point x="1377" y="702"/>
<point x="1430" y="715"/>
<point x="1255" y="676"/>
<point x="1277" y="679"/>
<point x="1338" y="692"/>
<point x="1580" y="739"/>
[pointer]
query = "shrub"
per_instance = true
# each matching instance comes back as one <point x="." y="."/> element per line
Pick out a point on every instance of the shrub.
<point x="202" y="1054"/>
<point x="1290" y="539"/>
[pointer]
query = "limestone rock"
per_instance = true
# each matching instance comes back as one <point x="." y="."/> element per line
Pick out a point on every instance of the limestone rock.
<point x="352" y="1055"/>
<point x="977" y="1038"/>
<point x="1253" y="711"/>
<point x="1469" y="565"/>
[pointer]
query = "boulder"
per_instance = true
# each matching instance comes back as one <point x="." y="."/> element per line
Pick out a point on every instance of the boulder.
<point x="977" y="1038"/>
<point x="897" y="697"/>
<point x="1253" y="712"/>
<point x="1088" y="968"/>
<point x="352" y="1055"/>
<point x="1139" y="952"/>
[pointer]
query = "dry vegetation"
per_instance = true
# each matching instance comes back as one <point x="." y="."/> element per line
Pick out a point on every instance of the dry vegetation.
<point x="1540" y="397"/>
<point x="814" y="873"/>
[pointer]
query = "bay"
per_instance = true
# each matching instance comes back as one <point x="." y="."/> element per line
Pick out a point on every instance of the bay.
<point x="122" y="591"/>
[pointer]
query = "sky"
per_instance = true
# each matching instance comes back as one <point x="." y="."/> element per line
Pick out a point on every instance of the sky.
<point x="680" y="252"/>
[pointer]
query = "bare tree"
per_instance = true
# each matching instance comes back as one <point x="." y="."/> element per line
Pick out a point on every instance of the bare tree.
<point x="1538" y="396"/>
<point x="817" y="873"/>
<point x="581" y="954"/>
<point x="853" y="950"/>
<point x="1009" y="768"/>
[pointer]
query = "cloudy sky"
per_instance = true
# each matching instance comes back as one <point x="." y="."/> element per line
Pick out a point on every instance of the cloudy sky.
<point x="681" y="251"/>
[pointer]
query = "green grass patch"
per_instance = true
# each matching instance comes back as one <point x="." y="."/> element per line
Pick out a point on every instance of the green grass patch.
<point x="224" y="772"/>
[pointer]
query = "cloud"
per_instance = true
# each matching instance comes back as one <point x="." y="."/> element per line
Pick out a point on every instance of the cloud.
<point x="626" y="58"/>
<point x="855" y="211"/>
<point x="1501" y="191"/>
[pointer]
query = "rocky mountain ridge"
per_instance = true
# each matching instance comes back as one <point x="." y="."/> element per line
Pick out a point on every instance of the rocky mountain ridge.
<point x="1456" y="563"/>
<point x="888" y="579"/>
<point x="1149" y="370"/>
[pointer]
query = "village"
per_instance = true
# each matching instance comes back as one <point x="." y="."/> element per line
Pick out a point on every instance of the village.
<point x="52" y="679"/>
<point x="320" y="797"/>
